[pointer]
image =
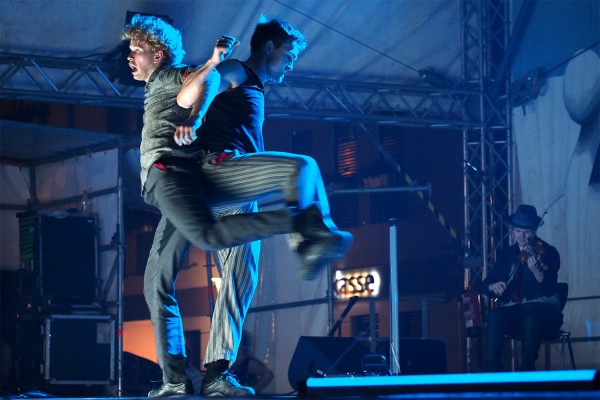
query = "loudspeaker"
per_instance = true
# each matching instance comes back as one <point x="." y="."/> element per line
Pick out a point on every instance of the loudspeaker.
<point x="65" y="349"/>
<point x="324" y="356"/>
<point x="59" y="258"/>
<point x="79" y="349"/>
<point x="8" y="333"/>
<point x="417" y="356"/>
<point x="139" y="374"/>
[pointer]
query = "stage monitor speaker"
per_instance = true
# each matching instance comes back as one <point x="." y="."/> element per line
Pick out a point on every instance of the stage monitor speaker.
<point x="139" y="374"/>
<point x="59" y="256"/>
<point x="317" y="356"/>
<point x="417" y="356"/>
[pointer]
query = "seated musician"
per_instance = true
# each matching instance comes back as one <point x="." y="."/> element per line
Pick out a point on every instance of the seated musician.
<point x="523" y="285"/>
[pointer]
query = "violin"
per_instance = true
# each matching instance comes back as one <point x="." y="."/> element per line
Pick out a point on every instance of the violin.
<point x="535" y="250"/>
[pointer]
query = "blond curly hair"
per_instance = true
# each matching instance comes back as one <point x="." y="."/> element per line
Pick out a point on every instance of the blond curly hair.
<point x="158" y="35"/>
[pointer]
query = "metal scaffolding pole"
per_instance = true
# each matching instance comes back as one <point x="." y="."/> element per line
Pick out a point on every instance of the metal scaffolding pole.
<point x="487" y="149"/>
<point x="121" y="273"/>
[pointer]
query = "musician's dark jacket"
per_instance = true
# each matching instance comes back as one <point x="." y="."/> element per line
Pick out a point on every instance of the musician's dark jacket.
<point x="532" y="289"/>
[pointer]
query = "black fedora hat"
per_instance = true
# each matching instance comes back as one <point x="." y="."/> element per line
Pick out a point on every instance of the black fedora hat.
<point x="525" y="217"/>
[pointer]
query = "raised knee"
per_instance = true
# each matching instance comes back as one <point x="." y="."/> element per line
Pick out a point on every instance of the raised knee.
<point x="308" y="162"/>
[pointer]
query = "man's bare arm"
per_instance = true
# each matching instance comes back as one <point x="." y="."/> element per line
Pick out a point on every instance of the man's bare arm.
<point x="193" y="85"/>
<point x="200" y="88"/>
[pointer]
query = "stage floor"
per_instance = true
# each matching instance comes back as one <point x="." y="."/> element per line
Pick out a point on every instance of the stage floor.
<point x="566" y="395"/>
<point x="542" y="385"/>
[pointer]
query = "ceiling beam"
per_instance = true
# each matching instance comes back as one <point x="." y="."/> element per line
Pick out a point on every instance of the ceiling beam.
<point x="93" y="82"/>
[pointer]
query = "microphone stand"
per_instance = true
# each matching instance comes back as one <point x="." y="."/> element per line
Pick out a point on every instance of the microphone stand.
<point x="338" y="323"/>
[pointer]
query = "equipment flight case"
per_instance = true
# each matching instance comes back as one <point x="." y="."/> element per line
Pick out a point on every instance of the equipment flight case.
<point x="68" y="350"/>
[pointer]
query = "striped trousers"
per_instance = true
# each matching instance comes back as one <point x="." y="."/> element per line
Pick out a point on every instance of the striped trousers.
<point x="212" y="204"/>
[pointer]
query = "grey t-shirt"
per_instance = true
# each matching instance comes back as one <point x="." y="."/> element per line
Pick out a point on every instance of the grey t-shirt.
<point x="162" y="115"/>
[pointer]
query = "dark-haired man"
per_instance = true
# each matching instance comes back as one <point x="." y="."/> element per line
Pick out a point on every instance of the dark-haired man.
<point x="237" y="170"/>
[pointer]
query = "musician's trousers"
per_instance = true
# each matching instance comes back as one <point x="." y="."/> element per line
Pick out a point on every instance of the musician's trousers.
<point x="529" y="322"/>
<point x="207" y="204"/>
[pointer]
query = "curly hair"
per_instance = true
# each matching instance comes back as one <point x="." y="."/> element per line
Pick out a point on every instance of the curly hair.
<point x="158" y="35"/>
<point x="278" y="31"/>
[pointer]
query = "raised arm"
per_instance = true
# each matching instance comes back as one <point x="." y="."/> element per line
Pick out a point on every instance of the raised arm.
<point x="199" y="89"/>
<point x="195" y="83"/>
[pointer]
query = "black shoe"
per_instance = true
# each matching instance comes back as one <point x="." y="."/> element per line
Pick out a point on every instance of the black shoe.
<point x="225" y="385"/>
<point x="320" y="245"/>
<point x="316" y="253"/>
<point x="172" y="389"/>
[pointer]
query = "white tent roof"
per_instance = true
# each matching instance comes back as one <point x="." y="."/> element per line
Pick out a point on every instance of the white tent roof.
<point x="358" y="40"/>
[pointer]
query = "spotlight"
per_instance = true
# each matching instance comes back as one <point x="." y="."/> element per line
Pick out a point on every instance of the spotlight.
<point x="526" y="88"/>
<point x="434" y="78"/>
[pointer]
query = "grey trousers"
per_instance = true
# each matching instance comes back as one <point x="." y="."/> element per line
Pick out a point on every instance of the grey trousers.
<point x="212" y="205"/>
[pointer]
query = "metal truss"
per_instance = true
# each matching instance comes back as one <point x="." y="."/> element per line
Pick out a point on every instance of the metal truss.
<point x="385" y="104"/>
<point x="487" y="149"/>
<point x="484" y="120"/>
<point x="88" y="82"/>
<point x="65" y="80"/>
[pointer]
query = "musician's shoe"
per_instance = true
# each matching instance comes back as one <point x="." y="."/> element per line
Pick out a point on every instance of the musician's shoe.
<point x="321" y="244"/>
<point x="172" y="389"/>
<point x="225" y="385"/>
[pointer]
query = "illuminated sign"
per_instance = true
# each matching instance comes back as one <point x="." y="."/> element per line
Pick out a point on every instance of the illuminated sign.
<point x="363" y="283"/>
